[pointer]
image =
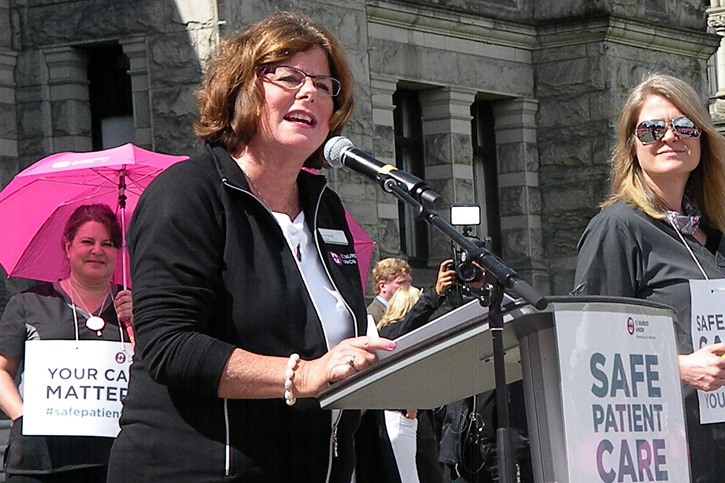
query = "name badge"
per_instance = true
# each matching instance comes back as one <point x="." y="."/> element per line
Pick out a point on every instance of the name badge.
<point x="334" y="237"/>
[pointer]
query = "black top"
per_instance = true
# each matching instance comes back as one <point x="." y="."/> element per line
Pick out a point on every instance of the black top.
<point x="44" y="312"/>
<point x="212" y="271"/>
<point x="624" y="252"/>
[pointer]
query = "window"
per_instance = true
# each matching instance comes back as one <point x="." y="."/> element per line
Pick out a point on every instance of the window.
<point x="110" y="97"/>
<point x="409" y="157"/>
<point x="485" y="171"/>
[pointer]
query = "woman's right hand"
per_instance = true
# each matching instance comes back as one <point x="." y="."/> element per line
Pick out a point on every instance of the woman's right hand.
<point x="704" y="369"/>
<point x="345" y="359"/>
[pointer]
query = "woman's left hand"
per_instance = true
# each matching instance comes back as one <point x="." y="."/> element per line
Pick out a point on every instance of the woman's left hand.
<point x="124" y="305"/>
<point x="704" y="369"/>
<point x="345" y="359"/>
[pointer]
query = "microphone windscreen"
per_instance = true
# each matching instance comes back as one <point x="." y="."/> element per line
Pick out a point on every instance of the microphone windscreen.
<point x="334" y="147"/>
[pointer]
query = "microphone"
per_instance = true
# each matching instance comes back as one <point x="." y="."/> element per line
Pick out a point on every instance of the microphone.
<point x="339" y="151"/>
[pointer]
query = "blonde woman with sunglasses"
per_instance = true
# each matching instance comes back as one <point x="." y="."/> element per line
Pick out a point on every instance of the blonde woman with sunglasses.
<point x="660" y="228"/>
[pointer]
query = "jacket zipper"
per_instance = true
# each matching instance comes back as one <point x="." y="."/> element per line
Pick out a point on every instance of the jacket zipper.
<point x="227" y="443"/>
<point x="333" y="449"/>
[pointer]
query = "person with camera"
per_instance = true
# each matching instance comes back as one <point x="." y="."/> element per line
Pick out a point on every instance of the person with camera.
<point x="391" y="273"/>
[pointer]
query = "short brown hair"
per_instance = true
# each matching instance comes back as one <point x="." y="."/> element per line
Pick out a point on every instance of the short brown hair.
<point x="230" y="100"/>
<point x="387" y="269"/>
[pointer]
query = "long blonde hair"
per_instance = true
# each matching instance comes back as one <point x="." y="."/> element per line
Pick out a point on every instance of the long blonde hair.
<point x="706" y="183"/>
<point x="399" y="305"/>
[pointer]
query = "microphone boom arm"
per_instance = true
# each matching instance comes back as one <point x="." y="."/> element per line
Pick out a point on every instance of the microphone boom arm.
<point x="506" y="278"/>
<point x="505" y="275"/>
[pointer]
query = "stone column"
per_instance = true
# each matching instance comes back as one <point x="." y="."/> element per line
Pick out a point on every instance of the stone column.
<point x="69" y="99"/>
<point x="716" y="21"/>
<point x="8" y="122"/>
<point x="136" y="51"/>
<point x="387" y="233"/>
<point x="8" y="130"/>
<point x="519" y="195"/>
<point x="448" y="152"/>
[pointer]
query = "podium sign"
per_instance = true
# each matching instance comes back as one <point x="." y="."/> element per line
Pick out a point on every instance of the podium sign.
<point x="74" y="388"/>
<point x="600" y="376"/>
<point x="621" y="397"/>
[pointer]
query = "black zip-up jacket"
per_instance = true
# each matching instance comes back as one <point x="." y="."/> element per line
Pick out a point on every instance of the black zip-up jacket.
<point x="212" y="271"/>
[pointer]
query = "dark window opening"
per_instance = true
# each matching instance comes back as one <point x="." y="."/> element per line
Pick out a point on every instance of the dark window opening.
<point x="110" y="97"/>
<point x="486" y="170"/>
<point x="408" y="127"/>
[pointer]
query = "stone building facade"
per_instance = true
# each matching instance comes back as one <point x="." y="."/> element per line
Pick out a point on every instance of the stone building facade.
<point x="506" y="104"/>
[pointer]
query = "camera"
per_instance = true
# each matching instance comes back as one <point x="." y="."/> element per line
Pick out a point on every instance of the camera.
<point x="466" y="271"/>
<point x="470" y="280"/>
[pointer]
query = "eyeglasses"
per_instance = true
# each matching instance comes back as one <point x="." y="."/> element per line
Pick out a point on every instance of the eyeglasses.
<point x="654" y="130"/>
<point x="292" y="78"/>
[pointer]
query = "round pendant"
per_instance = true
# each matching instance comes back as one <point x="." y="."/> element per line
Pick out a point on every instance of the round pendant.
<point x="95" y="323"/>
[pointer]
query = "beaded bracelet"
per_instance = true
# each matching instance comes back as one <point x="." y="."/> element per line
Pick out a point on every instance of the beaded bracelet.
<point x="289" y="374"/>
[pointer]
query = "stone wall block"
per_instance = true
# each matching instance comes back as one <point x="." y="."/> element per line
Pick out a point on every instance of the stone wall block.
<point x="388" y="239"/>
<point x="569" y="78"/>
<point x="8" y="169"/>
<point x="5" y="27"/>
<point x="8" y="123"/>
<point x="384" y="140"/>
<point x="531" y="157"/>
<point x="174" y="112"/>
<point x="109" y="19"/>
<point x="462" y="150"/>
<point x="70" y="119"/>
<point x="573" y="196"/>
<point x="510" y="158"/>
<point x="563" y="153"/>
<point x="516" y="245"/>
<point x="30" y="69"/>
<point x="437" y="149"/>
<point x="172" y="61"/>
<point x="511" y="201"/>
<point x="472" y="73"/>
<point x="508" y="9"/>
<point x="531" y="200"/>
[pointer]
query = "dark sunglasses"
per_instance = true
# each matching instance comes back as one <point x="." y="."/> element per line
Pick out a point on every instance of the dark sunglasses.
<point x="654" y="130"/>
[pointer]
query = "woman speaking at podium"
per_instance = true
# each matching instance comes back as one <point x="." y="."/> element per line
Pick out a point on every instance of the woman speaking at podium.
<point x="661" y="228"/>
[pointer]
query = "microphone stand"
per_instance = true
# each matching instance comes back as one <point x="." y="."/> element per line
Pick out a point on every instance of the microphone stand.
<point x="505" y="278"/>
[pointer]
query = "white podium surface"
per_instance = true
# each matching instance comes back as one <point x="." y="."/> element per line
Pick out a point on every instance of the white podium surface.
<point x="448" y="359"/>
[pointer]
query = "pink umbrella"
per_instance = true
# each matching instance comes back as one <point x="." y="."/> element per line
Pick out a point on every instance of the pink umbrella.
<point x="364" y="246"/>
<point x="37" y="203"/>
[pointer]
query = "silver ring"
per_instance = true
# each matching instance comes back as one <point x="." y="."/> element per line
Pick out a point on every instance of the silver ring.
<point x="351" y="361"/>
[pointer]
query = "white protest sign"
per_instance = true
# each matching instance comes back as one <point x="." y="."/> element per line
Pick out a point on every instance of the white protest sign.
<point x="621" y="397"/>
<point x="74" y="388"/>
<point x="708" y="327"/>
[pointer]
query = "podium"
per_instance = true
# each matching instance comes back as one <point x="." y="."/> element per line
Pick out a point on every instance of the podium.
<point x="600" y="376"/>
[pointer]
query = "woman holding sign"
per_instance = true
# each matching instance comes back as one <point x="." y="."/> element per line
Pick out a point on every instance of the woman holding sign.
<point x="85" y="306"/>
<point x="660" y="234"/>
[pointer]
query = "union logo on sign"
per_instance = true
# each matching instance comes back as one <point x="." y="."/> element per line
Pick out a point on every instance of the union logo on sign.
<point x="630" y="325"/>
